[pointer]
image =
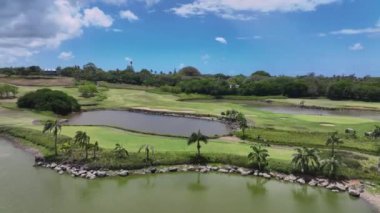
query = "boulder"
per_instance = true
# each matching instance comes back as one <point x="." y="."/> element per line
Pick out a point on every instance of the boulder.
<point x="290" y="178"/>
<point x="301" y="181"/>
<point x="354" y="192"/>
<point x="266" y="175"/>
<point x="101" y="174"/>
<point x="313" y="182"/>
<point x="153" y="170"/>
<point x="173" y="169"/>
<point x="223" y="170"/>
<point x="123" y="173"/>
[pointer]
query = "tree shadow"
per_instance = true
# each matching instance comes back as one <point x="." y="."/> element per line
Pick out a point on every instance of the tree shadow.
<point x="197" y="186"/>
<point x="258" y="188"/>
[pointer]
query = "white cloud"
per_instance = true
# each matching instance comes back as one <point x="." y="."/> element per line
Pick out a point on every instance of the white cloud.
<point x="356" y="47"/>
<point x="256" y="37"/>
<point x="96" y="17"/>
<point x="221" y="40"/>
<point x="356" y="31"/>
<point x="235" y="8"/>
<point x="378" y="23"/>
<point x="115" y="2"/>
<point x="128" y="59"/>
<point x="66" y="56"/>
<point x="29" y="26"/>
<point x="322" y="34"/>
<point x="129" y="15"/>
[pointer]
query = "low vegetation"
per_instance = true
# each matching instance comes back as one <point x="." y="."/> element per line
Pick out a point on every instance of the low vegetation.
<point x="8" y="91"/>
<point x="49" y="100"/>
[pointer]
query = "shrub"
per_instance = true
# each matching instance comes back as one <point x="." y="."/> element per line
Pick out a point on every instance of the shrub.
<point x="49" y="100"/>
<point x="87" y="90"/>
<point x="8" y="91"/>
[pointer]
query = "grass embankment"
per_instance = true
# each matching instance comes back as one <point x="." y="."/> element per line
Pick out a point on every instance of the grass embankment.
<point x="172" y="151"/>
<point x="140" y="98"/>
<point x="311" y="139"/>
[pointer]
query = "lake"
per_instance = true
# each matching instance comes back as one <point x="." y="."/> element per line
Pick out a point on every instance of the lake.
<point x="26" y="189"/>
<point x="150" y="123"/>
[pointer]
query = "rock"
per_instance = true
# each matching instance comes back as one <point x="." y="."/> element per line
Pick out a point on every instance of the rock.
<point x="101" y="174"/>
<point x="173" y="169"/>
<point x="223" y="171"/>
<point x="39" y="163"/>
<point x="323" y="183"/>
<point x="204" y="170"/>
<point x="301" y="181"/>
<point x="247" y="172"/>
<point x="153" y="170"/>
<point x="313" y="182"/>
<point x="266" y="175"/>
<point x="341" y="187"/>
<point x="53" y="165"/>
<point x="331" y="186"/>
<point x="39" y="158"/>
<point x="214" y="168"/>
<point x="290" y="178"/>
<point x="123" y="173"/>
<point x="354" y="192"/>
<point x="164" y="170"/>
<point x="60" y="172"/>
<point x="335" y="190"/>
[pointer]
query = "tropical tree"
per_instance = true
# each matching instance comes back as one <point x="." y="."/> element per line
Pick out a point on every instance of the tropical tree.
<point x="120" y="151"/>
<point x="376" y="132"/>
<point x="83" y="140"/>
<point x="95" y="148"/>
<point x="148" y="149"/>
<point x="197" y="138"/>
<point x="333" y="140"/>
<point x="243" y="123"/>
<point x="331" y="166"/>
<point x="305" y="159"/>
<point x="55" y="128"/>
<point x="259" y="155"/>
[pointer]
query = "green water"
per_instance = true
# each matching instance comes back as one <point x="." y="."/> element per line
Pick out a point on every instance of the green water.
<point x="25" y="189"/>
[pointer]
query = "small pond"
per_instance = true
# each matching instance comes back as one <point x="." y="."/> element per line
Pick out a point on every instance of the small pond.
<point x="150" y="123"/>
<point x="25" y="189"/>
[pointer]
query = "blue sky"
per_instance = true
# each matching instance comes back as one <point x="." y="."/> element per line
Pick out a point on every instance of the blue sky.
<point x="229" y="36"/>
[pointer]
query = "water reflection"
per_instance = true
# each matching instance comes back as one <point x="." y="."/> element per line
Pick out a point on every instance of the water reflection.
<point x="257" y="187"/>
<point x="197" y="186"/>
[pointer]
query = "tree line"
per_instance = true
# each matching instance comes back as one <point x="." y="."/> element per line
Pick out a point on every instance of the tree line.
<point x="259" y="83"/>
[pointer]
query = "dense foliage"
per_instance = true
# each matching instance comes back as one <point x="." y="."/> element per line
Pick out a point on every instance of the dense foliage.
<point x="8" y="91"/>
<point x="259" y="83"/>
<point x="87" y="90"/>
<point x="49" y="100"/>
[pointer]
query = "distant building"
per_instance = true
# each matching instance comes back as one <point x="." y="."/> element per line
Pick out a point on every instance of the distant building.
<point x="49" y="72"/>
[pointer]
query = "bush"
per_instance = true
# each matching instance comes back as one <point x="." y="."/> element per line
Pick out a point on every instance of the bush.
<point x="8" y="91"/>
<point x="87" y="90"/>
<point x="295" y="90"/>
<point x="49" y="100"/>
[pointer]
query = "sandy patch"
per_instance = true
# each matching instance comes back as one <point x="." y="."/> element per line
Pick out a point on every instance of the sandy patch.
<point x="230" y="139"/>
<point x="162" y="110"/>
<point x="327" y="124"/>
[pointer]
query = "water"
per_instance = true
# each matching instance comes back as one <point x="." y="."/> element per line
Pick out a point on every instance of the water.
<point x="158" y="124"/>
<point x="25" y="189"/>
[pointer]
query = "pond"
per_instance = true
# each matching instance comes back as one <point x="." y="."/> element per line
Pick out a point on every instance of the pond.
<point x="25" y="189"/>
<point x="150" y="123"/>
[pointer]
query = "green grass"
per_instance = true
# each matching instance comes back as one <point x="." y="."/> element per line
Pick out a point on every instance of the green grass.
<point x="311" y="139"/>
<point x="132" y="98"/>
<point x="321" y="102"/>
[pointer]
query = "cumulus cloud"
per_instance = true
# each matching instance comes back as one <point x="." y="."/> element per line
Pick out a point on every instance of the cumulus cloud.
<point x="129" y="15"/>
<point x="356" y="47"/>
<point x="66" y="56"/>
<point x="96" y="17"/>
<point x="236" y="8"/>
<point x="221" y="40"/>
<point x="28" y="26"/>
<point x="115" y="2"/>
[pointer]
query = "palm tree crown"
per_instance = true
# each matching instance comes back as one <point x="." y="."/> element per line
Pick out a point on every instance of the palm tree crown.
<point x="83" y="140"/>
<point x="55" y="128"/>
<point x="305" y="159"/>
<point x="333" y="140"/>
<point x="197" y="137"/>
<point x="331" y="166"/>
<point x="259" y="155"/>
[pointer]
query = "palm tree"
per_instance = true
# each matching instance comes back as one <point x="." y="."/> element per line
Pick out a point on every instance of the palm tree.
<point x="243" y="123"/>
<point x="148" y="149"/>
<point x="305" y="159"/>
<point x="120" y="151"/>
<point x="333" y="140"/>
<point x="197" y="138"/>
<point x="55" y="128"/>
<point x="259" y="156"/>
<point x="331" y="165"/>
<point x="95" y="148"/>
<point x="83" y="140"/>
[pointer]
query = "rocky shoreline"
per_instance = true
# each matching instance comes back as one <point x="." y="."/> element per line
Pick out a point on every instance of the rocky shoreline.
<point x="354" y="190"/>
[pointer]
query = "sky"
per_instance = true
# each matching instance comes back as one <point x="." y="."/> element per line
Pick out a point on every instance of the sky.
<point x="283" y="37"/>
